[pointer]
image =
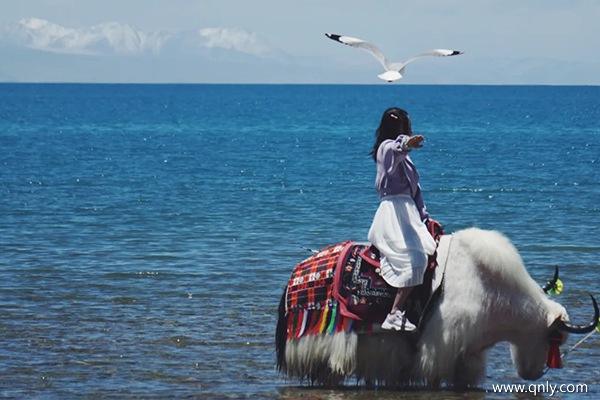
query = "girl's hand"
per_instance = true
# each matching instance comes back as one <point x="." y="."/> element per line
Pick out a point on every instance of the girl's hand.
<point x="415" y="141"/>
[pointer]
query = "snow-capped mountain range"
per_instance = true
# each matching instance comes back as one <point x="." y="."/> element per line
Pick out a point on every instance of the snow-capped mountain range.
<point x="38" y="50"/>
<point x="114" y="38"/>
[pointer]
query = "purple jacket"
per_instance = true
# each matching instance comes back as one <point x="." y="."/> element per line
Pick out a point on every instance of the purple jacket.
<point x="396" y="174"/>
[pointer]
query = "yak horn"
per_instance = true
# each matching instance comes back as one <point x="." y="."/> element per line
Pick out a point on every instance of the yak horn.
<point x="552" y="283"/>
<point x="569" y="327"/>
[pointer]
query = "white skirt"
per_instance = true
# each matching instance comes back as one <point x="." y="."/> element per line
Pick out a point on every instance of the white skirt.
<point x="403" y="241"/>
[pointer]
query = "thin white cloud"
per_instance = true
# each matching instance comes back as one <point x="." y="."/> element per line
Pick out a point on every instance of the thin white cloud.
<point x="234" y="39"/>
<point x="121" y="39"/>
<point x="40" y="34"/>
<point x="112" y="37"/>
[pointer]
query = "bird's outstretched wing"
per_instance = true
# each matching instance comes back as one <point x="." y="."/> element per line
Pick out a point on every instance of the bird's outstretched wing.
<point x="434" y="52"/>
<point x="361" y="44"/>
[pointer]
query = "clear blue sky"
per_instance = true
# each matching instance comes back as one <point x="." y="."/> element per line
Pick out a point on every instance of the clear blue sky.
<point x="505" y="41"/>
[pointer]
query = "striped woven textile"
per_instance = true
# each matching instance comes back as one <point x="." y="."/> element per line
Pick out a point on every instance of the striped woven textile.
<point x="311" y="284"/>
<point x="334" y="291"/>
<point x="310" y="305"/>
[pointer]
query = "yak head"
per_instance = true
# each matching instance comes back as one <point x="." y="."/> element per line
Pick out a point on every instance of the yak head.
<point x="538" y="346"/>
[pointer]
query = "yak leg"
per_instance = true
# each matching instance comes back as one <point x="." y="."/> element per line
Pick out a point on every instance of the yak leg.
<point x="384" y="359"/>
<point x="324" y="359"/>
<point x="470" y="369"/>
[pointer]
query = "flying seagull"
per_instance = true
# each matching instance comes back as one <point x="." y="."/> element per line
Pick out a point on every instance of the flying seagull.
<point x="393" y="70"/>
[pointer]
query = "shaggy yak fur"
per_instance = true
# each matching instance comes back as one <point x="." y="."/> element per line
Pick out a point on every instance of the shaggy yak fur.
<point x="488" y="297"/>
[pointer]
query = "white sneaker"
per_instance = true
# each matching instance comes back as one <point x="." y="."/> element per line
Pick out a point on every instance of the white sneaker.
<point x="398" y="322"/>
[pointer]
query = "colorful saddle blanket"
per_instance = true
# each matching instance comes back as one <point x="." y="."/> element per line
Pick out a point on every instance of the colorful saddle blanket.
<point x="344" y="277"/>
<point x="339" y="288"/>
<point x="311" y="284"/>
<point x="362" y="293"/>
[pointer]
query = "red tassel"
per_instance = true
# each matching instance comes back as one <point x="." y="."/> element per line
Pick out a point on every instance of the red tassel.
<point x="554" y="360"/>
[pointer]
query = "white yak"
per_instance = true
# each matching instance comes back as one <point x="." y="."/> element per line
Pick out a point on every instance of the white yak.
<point x="488" y="297"/>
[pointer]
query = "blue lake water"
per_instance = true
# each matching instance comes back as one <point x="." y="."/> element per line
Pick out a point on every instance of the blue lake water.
<point x="147" y="231"/>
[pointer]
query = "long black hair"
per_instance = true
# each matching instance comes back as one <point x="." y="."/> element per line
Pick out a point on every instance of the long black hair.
<point x="395" y="121"/>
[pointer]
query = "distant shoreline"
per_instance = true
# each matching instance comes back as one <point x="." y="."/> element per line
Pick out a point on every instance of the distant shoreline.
<point x="293" y="84"/>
